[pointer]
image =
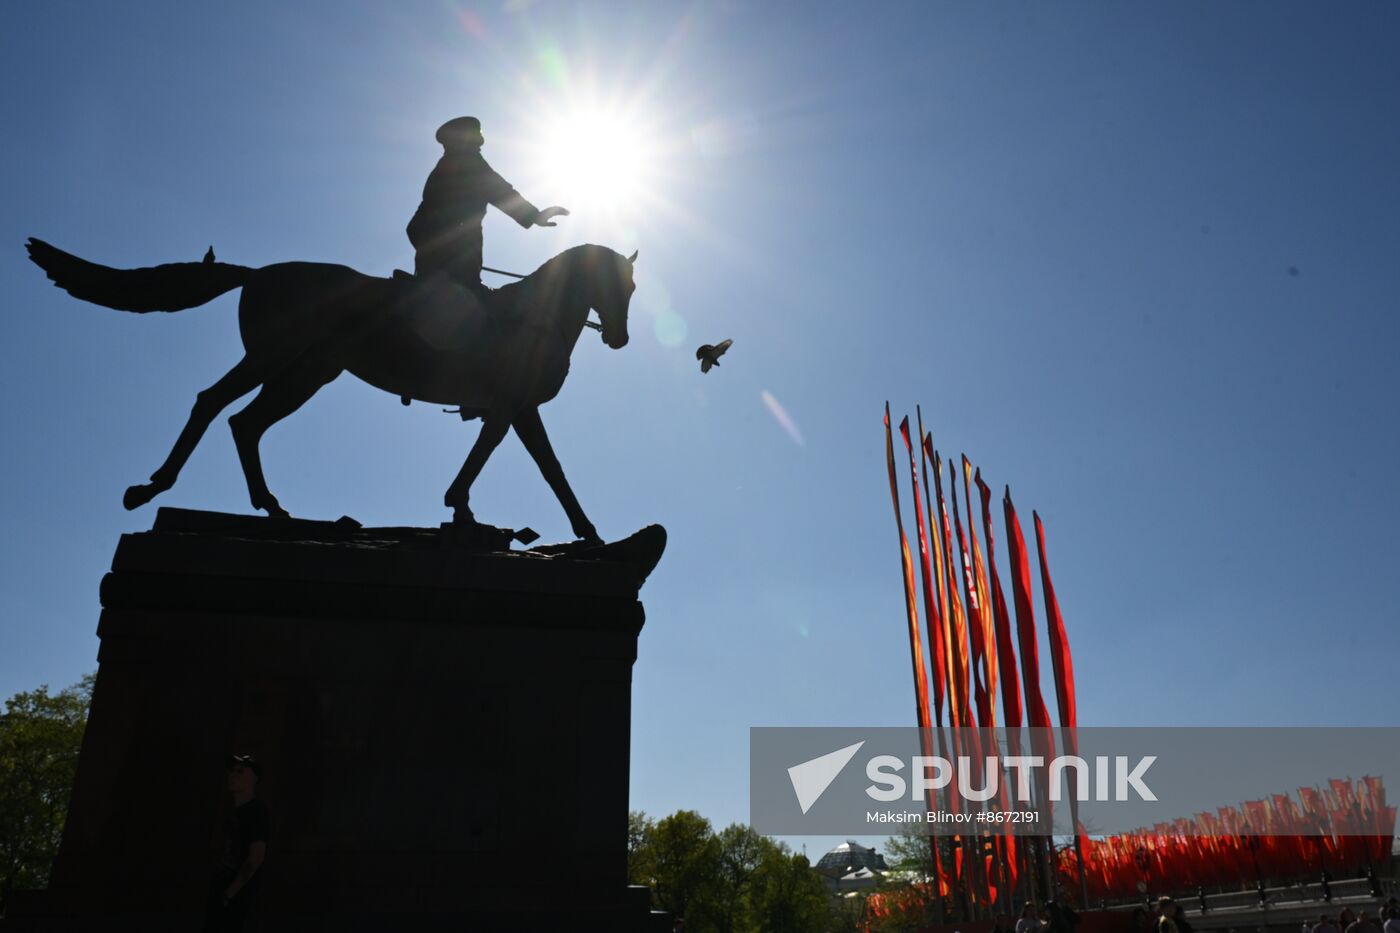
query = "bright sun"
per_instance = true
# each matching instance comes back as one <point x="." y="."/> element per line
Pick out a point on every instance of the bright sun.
<point x="597" y="162"/>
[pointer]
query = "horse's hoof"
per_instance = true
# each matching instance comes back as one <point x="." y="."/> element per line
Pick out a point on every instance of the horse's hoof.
<point x="591" y="541"/>
<point x="274" y="510"/>
<point x="137" y="496"/>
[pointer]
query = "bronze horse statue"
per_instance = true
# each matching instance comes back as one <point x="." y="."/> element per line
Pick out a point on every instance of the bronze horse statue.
<point x="304" y="323"/>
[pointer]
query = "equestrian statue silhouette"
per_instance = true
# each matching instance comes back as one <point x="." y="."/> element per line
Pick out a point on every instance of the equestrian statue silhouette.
<point x="498" y="354"/>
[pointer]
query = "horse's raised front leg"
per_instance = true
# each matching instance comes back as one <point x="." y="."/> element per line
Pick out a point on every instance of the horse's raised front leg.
<point x="530" y="429"/>
<point x="494" y="425"/>
<point x="242" y="379"/>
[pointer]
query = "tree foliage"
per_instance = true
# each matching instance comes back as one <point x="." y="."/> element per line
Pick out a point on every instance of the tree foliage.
<point x="909" y="852"/>
<point x="40" y="737"/>
<point x="731" y="881"/>
<point x="681" y="860"/>
<point x="639" y="828"/>
<point x="787" y="896"/>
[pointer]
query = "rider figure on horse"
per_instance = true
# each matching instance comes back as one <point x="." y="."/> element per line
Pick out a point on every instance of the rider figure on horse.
<point x="446" y="229"/>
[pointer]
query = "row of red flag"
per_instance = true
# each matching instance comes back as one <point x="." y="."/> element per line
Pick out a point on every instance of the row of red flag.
<point x="1225" y="847"/>
<point x="971" y="651"/>
<point x="968" y="626"/>
<point x="1217" y="849"/>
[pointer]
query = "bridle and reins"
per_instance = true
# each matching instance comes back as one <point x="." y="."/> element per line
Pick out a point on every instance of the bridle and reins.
<point x="516" y="275"/>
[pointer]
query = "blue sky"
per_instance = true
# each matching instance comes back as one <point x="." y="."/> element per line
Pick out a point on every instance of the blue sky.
<point x="1138" y="262"/>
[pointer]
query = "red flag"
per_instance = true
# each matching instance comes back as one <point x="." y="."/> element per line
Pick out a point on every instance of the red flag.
<point x="983" y="616"/>
<point x="935" y="626"/>
<point x="1059" y="640"/>
<point x="916" y="651"/>
<point x="940" y="567"/>
<point x="1006" y="663"/>
<point x="960" y="715"/>
<point x="1064" y="669"/>
<point x="1314" y="810"/>
<point x="1006" y="654"/>
<point x="932" y="618"/>
<point x="1036" y="712"/>
<point x="978" y="614"/>
<point x="974" y="622"/>
<point x="1375" y="814"/>
<point x="957" y="658"/>
<point x="983" y="657"/>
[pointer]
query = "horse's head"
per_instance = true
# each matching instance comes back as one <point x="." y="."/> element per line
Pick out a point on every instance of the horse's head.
<point x="610" y="293"/>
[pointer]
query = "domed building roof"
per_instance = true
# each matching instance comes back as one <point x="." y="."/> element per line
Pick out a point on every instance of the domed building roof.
<point x="850" y="856"/>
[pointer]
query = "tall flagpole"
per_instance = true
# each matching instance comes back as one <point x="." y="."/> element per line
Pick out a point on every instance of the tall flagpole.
<point x="959" y="707"/>
<point x="1064" y="692"/>
<point x="1036" y="713"/>
<point x="934" y="623"/>
<point x="916" y="650"/>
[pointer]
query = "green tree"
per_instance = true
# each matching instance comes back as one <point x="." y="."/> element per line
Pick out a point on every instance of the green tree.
<point x="40" y="737"/>
<point x="739" y="851"/>
<point x="910" y="852"/>
<point x="682" y="859"/>
<point x="849" y="914"/>
<point x="787" y="896"/>
<point x="733" y="881"/>
<point x="639" y="829"/>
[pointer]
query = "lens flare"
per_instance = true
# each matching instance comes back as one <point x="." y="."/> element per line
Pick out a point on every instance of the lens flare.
<point x="551" y="62"/>
<point x="781" y="416"/>
<point x="471" y="24"/>
<point x="669" y="327"/>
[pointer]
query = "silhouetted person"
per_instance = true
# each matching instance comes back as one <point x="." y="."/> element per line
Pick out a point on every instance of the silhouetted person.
<point x="1182" y="924"/>
<point x="1362" y="924"/>
<point x="245" y="846"/>
<point x="446" y="230"/>
<point x="1060" y="918"/>
<point x="1168" y="913"/>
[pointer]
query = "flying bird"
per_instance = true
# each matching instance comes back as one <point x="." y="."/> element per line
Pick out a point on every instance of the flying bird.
<point x="209" y="256"/>
<point x="709" y="354"/>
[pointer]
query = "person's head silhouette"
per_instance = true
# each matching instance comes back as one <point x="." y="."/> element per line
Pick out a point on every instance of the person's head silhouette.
<point x="243" y="774"/>
<point x="461" y="133"/>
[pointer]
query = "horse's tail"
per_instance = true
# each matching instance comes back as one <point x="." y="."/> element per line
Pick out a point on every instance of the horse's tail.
<point x="174" y="286"/>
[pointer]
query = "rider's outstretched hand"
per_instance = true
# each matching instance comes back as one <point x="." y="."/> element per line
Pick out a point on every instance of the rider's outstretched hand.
<point x="545" y="218"/>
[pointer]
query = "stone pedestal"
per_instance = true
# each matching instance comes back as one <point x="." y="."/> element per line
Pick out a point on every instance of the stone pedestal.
<point x="444" y="734"/>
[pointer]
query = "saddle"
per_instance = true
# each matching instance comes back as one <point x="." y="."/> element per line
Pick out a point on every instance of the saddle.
<point x="446" y="315"/>
<point x="450" y="318"/>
